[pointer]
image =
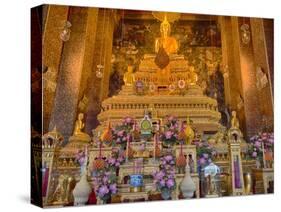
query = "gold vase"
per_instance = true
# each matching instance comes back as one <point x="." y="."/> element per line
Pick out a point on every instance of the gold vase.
<point x="248" y="183"/>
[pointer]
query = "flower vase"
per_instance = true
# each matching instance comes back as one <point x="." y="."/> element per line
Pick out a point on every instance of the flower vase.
<point x="82" y="190"/>
<point x="248" y="183"/>
<point x="187" y="185"/>
<point x="106" y="199"/>
<point x="165" y="193"/>
<point x="167" y="144"/>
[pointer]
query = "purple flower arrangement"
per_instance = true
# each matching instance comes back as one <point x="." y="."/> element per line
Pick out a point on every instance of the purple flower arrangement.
<point x="128" y="122"/>
<point x="255" y="150"/>
<point x="205" y="153"/>
<point x="105" y="179"/>
<point x="105" y="184"/>
<point x="122" y="133"/>
<point x="165" y="177"/>
<point x="116" y="159"/>
<point x="171" y="130"/>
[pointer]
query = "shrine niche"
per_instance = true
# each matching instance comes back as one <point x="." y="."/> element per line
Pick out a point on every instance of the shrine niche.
<point x="146" y="105"/>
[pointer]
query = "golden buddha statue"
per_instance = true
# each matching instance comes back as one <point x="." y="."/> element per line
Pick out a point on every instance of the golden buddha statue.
<point x="129" y="77"/>
<point x="189" y="133"/>
<point x="234" y="120"/>
<point x="79" y="125"/>
<point x="60" y="191"/>
<point x="170" y="44"/>
<point x="164" y="46"/>
<point x="193" y="77"/>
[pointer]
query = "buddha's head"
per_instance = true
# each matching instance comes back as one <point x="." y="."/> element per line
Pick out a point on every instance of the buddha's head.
<point x="130" y="69"/>
<point x="80" y="116"/>
<point x="192" y="69"/>
<point x="165" y="28"/>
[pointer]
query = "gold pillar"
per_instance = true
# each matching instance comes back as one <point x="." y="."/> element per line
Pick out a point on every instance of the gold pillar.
<point x="240" y="78"/>
<point x="231" y="71"/>
<point x="262" y="61"/>
<point x="76" y="63"/>
<point x="97" y="90"/>
<point x="52" y="47"/>
<point x="247" y="68"/>
<point x="227" y="60"/>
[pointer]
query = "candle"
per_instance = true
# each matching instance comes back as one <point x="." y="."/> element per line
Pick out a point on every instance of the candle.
<point x="128" y="146"/>
<point x="263" y="156"/>
<point x="155" y="140"/>
<point x="100" y="150"/>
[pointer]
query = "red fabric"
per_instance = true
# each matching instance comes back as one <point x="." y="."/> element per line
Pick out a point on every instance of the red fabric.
<point x="92" y="198"/>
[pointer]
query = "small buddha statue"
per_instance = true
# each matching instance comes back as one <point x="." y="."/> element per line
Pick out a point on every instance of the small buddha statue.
<point x="60" y="191"/>
<point x="129" y="77"/>
<point x="170" y="44"/>
<point x="193" y="77"/>
<point x="220" y="135"/>
<point x="188" y="132"/>
<point x="234" y="120"/>
<point x="79" y="125"/>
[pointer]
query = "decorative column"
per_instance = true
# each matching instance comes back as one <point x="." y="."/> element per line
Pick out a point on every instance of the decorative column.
<point x="76" y="63"/>
<point x="98" y="87"/>
<point x="50" y="152"/>
<point x="234" y="144"/>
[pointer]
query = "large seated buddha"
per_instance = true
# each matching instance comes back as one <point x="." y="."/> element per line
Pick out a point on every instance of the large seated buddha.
<point x="165" y="67"/>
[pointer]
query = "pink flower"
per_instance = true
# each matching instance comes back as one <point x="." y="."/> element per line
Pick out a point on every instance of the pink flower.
<point x="128" y="120"/>
<point x="162" y="182"/>
<point x="254" y="154"/>
<point x="168" y="134"/>
<point x="170" y="183"/>
<point x="271" y="140"/>
<point x="103" y="190"/>
<point x="202" y="161"/>
<point x="205" y="155"/>
<point x="113" y="188"/>
<point x="120" y="133"/>
<point x="159" y="175"/>
<point x="168" y="157"/>
<point x="105" y="179"/>
<point x="257" y="144"/>
<point x="170" y="118"/>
